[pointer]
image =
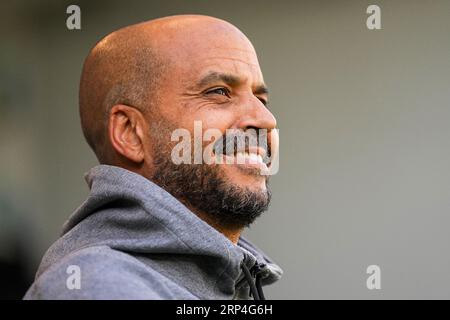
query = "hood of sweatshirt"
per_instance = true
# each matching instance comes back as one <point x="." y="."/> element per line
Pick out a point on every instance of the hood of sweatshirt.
<point x="128" y="213"/>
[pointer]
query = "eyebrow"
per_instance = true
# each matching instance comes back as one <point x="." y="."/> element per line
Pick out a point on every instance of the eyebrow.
<point x="229" y="79"/>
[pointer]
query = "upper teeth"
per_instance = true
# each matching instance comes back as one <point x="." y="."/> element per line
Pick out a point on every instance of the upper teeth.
<point x="252" y="157"/>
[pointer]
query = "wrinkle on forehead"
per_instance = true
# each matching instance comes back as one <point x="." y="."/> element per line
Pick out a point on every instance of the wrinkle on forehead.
<point x="254" y="64"/>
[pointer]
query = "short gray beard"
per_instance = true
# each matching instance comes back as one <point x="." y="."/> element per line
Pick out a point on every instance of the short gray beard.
<point x="205" y="188"/>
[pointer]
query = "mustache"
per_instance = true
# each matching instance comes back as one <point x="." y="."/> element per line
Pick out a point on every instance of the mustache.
<point x="236" y="140"/>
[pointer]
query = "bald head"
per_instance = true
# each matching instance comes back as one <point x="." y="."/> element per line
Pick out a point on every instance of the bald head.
<point x="120" y="69"/>
<point x="129" y="66"/>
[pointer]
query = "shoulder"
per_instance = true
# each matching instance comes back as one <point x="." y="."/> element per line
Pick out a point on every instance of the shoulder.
<point x="100" y="273"/>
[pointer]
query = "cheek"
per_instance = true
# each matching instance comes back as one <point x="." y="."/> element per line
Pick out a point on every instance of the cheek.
<point x="208" y="125"/>
<point x="215" y="118"/>
<point x="210" y="116"/>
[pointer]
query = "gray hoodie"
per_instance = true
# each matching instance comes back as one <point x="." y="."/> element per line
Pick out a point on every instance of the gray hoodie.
<point x="133" y="240"/>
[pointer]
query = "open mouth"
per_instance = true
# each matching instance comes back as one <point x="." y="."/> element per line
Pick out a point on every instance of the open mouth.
<point x="249" y="156"/>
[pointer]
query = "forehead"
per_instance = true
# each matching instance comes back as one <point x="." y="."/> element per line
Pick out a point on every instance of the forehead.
<point x="236" y="63"/>
<point x="215" y="51"/>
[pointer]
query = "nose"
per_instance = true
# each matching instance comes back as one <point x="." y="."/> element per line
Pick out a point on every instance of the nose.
<point x="256" y="115"/>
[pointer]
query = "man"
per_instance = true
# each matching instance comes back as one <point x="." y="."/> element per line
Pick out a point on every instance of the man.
<point x="152" y="228"/>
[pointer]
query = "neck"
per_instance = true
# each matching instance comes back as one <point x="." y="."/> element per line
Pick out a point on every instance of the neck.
<point x="232" y="233"/>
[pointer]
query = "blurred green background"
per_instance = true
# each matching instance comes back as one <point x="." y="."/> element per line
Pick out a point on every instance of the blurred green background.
<point x="364" y="120"/>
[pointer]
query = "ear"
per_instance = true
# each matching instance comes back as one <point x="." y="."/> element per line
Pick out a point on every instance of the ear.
<point x="126" y="132"/>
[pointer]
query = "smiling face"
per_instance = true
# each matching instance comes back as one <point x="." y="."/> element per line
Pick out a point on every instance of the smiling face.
<point x="168" y="74"/>
<point x="214" y="77"/>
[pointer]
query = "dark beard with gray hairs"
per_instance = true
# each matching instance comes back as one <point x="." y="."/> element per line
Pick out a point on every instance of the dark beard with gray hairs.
<point x="205" y="188"/>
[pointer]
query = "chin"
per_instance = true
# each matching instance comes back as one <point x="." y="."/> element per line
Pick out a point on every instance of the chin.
<point x="244" y="177"/>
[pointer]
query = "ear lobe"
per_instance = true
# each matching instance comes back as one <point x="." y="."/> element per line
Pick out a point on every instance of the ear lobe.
<point x="125" y="132"/>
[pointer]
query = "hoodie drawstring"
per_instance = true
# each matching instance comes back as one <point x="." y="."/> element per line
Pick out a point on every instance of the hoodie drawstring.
<point x="255" y="284"/>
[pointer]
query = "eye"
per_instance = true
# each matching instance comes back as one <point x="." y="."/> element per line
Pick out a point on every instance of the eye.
<point x="264" y="101"/>
<point x="221" y="91"/>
